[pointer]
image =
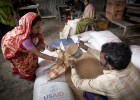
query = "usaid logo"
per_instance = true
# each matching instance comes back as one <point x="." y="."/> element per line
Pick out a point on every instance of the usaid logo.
<point x="54" y="93"/>
<point x="53" y="88"/>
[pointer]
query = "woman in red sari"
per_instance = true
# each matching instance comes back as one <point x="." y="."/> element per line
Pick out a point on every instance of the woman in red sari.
<point x="22" y="45"/>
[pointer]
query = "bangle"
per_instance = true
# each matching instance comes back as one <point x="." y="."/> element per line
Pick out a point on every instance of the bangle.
<point x="47" y="46"/>
<point x="51" y="57"/>
<point x="56" y="59"/>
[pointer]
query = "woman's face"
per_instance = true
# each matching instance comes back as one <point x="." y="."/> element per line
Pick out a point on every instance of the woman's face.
<point x="36" y="28"/>
<point x="85" y="2"/>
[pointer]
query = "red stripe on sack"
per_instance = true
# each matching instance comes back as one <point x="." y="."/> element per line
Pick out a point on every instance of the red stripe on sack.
<point x="55" y="72"/>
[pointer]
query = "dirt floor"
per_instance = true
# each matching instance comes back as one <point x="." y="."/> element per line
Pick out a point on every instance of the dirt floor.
<point x="14" y="88"/>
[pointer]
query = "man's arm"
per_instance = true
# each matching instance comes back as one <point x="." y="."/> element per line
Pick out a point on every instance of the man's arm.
<point x="90" y="50"/>
<point x="90" y="85"/>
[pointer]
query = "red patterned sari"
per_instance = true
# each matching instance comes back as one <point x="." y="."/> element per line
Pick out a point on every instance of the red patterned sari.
<point x="22" y="60"/>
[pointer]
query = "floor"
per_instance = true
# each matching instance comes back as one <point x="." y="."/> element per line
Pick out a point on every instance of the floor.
<point x="14" y="88"/>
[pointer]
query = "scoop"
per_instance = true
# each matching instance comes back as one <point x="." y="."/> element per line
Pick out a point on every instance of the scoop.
<point x="74" y="51"/>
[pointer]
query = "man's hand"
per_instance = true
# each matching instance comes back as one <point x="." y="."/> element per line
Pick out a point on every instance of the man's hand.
<point x="71" y="63"/>
<point x="82" y="45"/>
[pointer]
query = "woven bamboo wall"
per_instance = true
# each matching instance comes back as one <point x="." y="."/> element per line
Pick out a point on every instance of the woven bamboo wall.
<point x="48" y="7"/>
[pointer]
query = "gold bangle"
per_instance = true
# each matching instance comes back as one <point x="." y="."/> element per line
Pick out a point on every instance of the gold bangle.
<point x="47" y="46"/>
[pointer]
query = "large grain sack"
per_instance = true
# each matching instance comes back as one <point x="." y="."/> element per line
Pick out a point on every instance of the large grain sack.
<point x="54" y="90"/>
<point x="101" y="37"/>
<point x="65" y="32"/>
<point x="72" y="24"/>
<point x="87" y="67"/>
<point x="85" y="36"/>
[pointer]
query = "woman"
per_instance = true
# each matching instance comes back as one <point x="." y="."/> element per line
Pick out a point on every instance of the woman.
<point x="86" y="19"/>
<point x="22" y="45"/>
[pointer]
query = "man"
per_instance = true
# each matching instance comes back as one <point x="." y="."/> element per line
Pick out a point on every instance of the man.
<point x="121" y="79"/>
<point x="87" y="17"/>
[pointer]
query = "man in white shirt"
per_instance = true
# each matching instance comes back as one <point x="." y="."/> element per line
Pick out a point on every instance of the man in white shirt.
<point x="121" y="79"/>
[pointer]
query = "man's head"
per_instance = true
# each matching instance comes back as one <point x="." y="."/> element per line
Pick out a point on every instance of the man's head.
<point x="86" y="2"/>
<point x="115" y="55"/>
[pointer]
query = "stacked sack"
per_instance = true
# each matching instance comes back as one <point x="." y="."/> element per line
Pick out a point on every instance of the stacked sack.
<point x="95" y="39"/>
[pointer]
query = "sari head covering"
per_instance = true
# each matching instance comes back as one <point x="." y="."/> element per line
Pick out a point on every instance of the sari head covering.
<point x="12" y="40"/>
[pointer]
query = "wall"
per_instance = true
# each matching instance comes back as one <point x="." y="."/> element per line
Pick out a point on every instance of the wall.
<point x="48" y="7"/>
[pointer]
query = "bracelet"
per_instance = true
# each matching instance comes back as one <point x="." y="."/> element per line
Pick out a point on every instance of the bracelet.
<point x="47" y="46"/>
<point x="56" y="59"/>
<point x="51" y="57"/>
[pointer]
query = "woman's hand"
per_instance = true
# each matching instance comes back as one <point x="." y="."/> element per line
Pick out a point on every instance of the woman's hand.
<point x="50" y="48"/>
<point x="71" y="63"/>
<point x="57" y="60"/>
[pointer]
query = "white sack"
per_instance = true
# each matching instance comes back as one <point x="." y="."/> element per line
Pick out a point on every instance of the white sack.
<point x="135" y="55"/>
<point x="101" y="37"/>
<point x="44" y="90"/>
<point x="72" y="24"/>
<point x="85" y="36"/>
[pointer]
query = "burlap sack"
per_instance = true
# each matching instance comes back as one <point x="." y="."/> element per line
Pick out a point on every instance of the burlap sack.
<point x="56" y="70"/>
<point x="87" y="67"/>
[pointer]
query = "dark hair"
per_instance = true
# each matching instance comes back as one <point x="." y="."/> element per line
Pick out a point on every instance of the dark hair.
<point x="118" y="54"/>
<point x="38" y="18"/>
<point x="88" y="1"/>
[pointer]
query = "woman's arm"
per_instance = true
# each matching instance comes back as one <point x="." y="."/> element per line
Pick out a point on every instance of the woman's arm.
<point x="35" y="51"/>
<point x="27" y="43"/>
<point x="44" y="56"/>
